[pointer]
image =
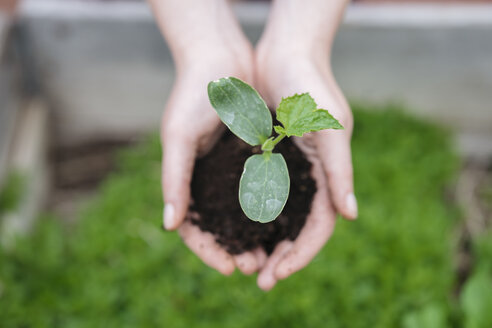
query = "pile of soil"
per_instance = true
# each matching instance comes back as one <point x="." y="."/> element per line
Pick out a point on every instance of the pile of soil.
<point x="215" y="206"/>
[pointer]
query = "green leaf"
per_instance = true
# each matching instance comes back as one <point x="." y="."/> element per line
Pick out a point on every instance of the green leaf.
<point x="299" y="114"/>
<point x="264" y="187"/>
<point x="242" y="109"/>
<point x="279" y="129"/>
<point x="476" y="300"/>
<point x="432" y="315"/>
<point x="268" y="145"/>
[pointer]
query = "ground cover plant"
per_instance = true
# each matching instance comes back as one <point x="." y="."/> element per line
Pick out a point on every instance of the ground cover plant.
<point x="393" y="267"/>
<point x="264" y="184"/>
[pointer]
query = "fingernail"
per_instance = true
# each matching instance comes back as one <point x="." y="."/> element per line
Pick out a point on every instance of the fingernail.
<point x="168" y="216"/>
<point x="351" y="202"/>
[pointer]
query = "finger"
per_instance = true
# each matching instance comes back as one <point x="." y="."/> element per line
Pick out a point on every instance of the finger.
<point x="177" y="167"/>
<point x="261" y="257"/>
<point x="203" y="244"/>
<point x="246" y="262"/>
<point x="266" y="279"/>
<point x="334" y="150"/>
<point x="313" y="236"/>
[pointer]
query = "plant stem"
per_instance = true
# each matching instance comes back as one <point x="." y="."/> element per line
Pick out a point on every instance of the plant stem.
<point x="278" y="139"/>
<point x="270" y="143"/>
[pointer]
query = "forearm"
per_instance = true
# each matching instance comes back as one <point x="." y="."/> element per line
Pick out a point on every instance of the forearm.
<point x="198" y="29"/>
<point x="304" y="27"/>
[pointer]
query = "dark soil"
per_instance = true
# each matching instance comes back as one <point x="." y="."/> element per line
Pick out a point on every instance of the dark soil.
<point x="215" y="206"/>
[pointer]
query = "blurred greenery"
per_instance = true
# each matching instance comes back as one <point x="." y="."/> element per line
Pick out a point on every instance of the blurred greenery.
<point x="476" y="297"/>
<point x="11" y="192"/>
<point x="390" y="268"/>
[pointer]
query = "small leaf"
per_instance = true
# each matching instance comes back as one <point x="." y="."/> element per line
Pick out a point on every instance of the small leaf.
<point x="279" y="129"/>
<point x="299" y="114"/>
<point x="268" y="144"/>
<point x="476" y="300"/>
<point x="242" y="109"/>
<point x="264" y="187"/>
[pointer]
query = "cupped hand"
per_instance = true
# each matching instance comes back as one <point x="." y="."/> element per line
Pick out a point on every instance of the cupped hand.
<point x="190" y="127"/>
<point x="329" y="152"/>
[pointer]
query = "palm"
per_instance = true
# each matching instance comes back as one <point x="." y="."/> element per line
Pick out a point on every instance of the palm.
<point x="190" y="127"/>
<point x="327" y="150"/>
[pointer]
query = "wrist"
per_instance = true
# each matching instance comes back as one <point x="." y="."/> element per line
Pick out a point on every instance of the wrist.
<point x="270" y="57"/>
<point x="216" y="62"/>
<point x="198" y="54"/>
<point x="293" y="48"/>
<point x="300" y="30"/>
<point x="200" y="31"/>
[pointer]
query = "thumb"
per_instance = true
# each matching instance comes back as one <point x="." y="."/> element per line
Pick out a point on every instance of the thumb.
<point x="334" y="150"/>
<point x="177" y="167"/>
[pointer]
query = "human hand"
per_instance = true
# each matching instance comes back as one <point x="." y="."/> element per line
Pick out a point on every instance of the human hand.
<point x="196" y="38"/>
<point x="206" y="43"/>
<point x="190" y="127"/>
<point x="279" y="74"/>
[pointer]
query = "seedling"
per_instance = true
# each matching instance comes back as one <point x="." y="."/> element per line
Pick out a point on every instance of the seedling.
<point x="264" y="184"/>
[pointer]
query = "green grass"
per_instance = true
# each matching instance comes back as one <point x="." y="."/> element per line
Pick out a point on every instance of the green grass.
<point x="117" y="268"/>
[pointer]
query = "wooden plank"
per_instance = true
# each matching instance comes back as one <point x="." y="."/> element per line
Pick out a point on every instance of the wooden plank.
<point x="28" y="158"/>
